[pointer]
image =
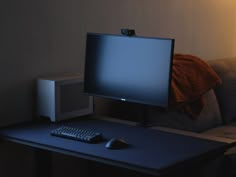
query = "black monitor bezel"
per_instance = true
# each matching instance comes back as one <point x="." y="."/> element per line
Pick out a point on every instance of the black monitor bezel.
<point x="131" y="100"/>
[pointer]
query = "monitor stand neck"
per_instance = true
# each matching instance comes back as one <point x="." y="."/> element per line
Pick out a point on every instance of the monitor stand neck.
<point x="143" y="122"/>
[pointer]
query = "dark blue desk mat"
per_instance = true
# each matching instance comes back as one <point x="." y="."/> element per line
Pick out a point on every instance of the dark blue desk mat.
<point x="150" y="151"/>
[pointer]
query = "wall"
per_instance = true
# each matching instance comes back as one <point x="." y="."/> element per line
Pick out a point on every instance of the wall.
<point x="47" y="36"/>
<point x="204" y="28"/>
<point x="32" y="44"/>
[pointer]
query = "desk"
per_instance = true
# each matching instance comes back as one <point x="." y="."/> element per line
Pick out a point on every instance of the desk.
<point x="151" y="151"/>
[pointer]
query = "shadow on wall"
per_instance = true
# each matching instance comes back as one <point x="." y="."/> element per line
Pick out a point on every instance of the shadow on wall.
<point x="18" y="103"/>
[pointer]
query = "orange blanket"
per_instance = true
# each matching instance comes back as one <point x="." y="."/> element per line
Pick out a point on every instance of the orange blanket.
<point x="191" y="79"/>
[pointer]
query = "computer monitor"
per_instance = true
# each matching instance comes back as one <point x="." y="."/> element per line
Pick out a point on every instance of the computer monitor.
<point x="131" y="69"/>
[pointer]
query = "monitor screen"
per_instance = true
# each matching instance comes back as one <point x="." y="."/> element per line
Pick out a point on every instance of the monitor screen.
<point x="133" y="69"/>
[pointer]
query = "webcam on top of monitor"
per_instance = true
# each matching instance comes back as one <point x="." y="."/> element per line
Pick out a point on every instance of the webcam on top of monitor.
<point x="128" y="32"/>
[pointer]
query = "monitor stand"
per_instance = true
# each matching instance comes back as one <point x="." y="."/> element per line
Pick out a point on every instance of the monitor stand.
<point x="143" y="119"/>
<point x="144" y="115"/>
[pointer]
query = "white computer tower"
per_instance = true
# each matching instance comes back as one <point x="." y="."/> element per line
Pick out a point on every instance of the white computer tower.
<point x="61" y="97"/>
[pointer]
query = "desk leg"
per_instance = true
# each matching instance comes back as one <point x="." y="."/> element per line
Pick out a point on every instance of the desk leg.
<point x="43" y="163"/>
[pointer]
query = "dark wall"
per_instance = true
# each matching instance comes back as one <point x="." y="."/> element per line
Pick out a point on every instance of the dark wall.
<point x="36" y="39"/>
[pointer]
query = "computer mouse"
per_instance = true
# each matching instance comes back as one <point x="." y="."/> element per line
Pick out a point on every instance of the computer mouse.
<point x="116" y="143"/>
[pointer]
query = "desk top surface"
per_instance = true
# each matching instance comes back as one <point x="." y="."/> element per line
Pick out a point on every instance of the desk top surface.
<point x="151" y="151"/>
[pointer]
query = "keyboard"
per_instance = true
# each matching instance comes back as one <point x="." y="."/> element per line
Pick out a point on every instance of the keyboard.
<point x="77" y="134"/>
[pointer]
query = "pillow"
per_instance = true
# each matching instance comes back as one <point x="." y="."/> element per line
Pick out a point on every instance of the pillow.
<point x="209" y="117"/>
<point x="226" y="93"/>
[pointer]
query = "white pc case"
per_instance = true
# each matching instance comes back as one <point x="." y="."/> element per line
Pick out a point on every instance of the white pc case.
<point x="61" y="97"/>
